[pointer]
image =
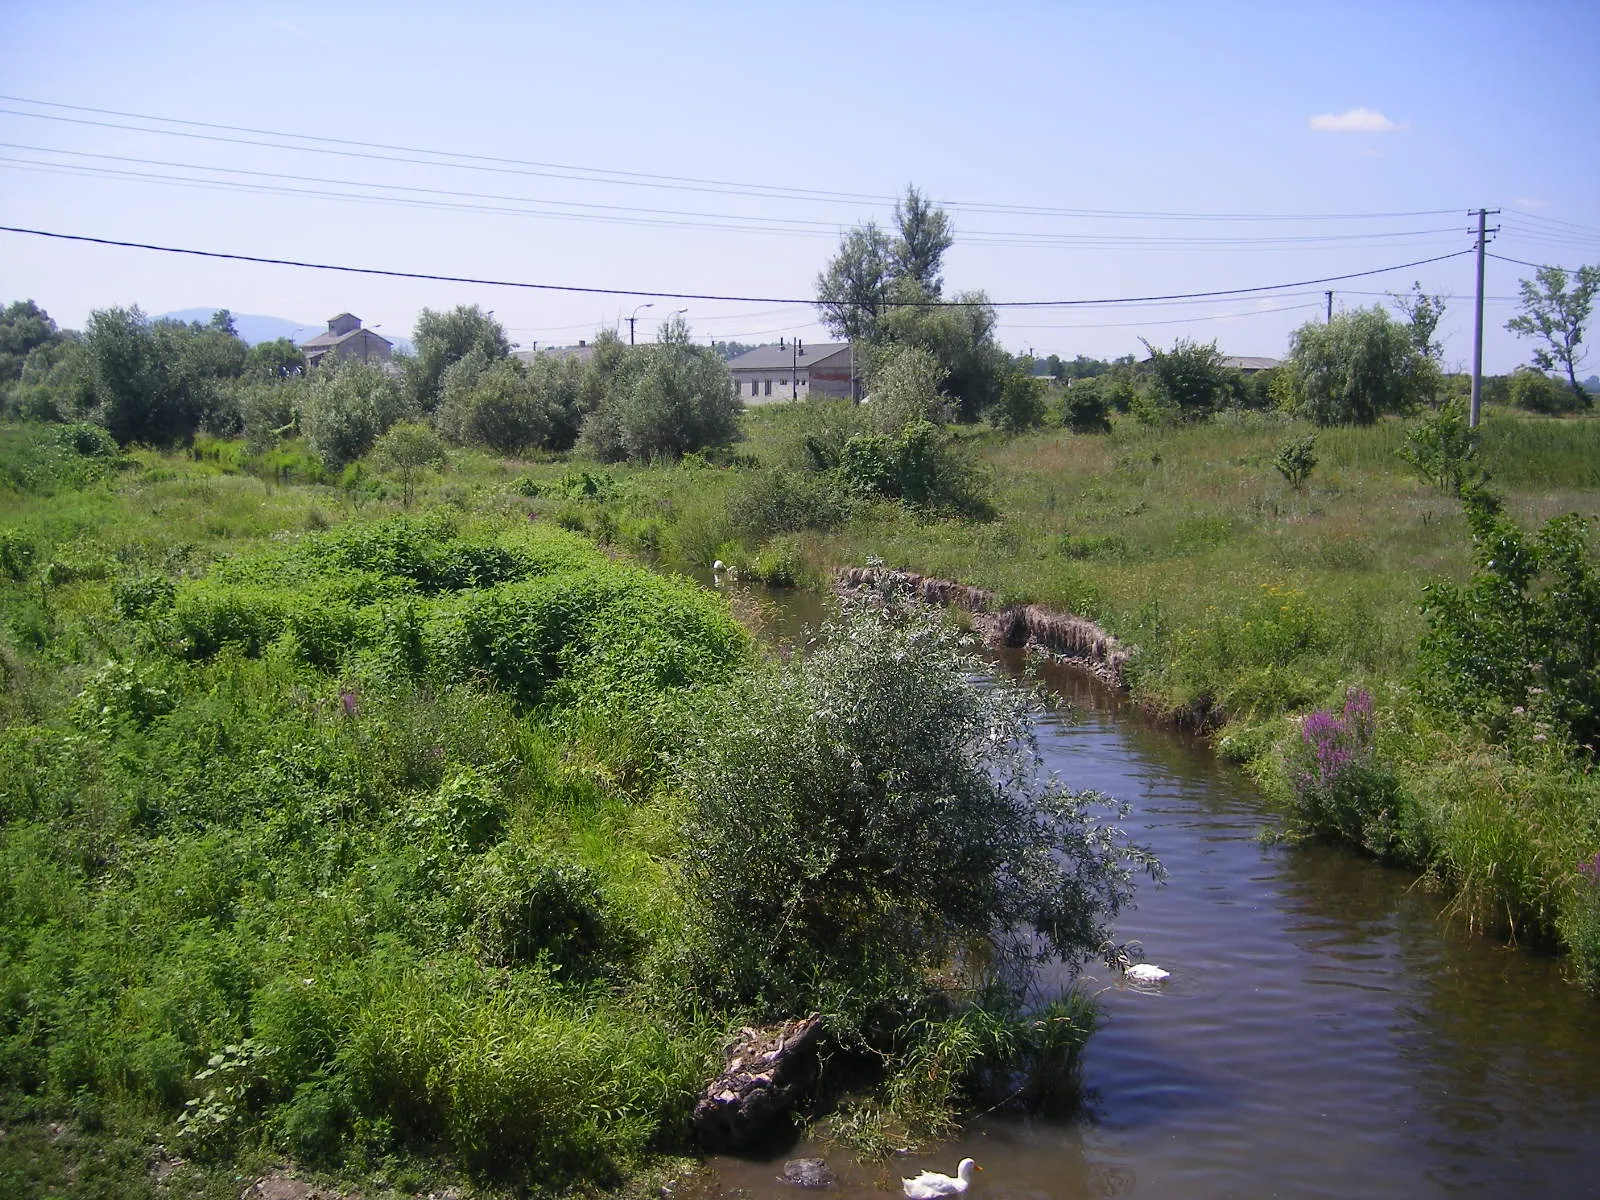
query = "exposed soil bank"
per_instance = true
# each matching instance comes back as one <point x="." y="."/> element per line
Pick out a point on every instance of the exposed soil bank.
<point x="1069" y="639"/>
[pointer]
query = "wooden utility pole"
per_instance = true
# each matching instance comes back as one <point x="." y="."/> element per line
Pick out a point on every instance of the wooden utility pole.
<point x="1330" y="306"/>
<point x="1474" y="411"/>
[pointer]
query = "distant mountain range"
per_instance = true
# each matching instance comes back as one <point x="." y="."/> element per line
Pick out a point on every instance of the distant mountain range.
<point x="254" y="328"/>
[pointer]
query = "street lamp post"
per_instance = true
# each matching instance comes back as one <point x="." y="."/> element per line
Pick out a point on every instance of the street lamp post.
<point x="634" y="318"/>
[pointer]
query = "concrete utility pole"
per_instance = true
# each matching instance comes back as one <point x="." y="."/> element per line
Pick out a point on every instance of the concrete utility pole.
<point x="794" y="369"/>
<point x="1475" y="409"/>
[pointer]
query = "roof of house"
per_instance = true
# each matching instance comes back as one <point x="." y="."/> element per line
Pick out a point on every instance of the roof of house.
<point x="1246" y="362"/>
<point x="773" y="358"/>
<point x="328" y="340"/>
<point x="583" y="352"/>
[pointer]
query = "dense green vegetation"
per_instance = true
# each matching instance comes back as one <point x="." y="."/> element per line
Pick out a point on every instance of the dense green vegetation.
<point x="1255" y="603"/>
<point x="407" y="845"/>
<point x="360" y="803"/>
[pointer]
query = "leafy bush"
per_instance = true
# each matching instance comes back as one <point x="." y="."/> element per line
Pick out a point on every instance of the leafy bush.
<point x="766" y="502"/>
<point x="525" y="907"/>
<point x="495" y="405"/>
<point x="907" y="388"/>
<point x="409" y="448"/>
<point x="1295" y="460"/>
<point x="1537" y="392"/>
<point x="662" y="401"/>
<point x="864" y="816"/>
<point x="347" y="407"/>
<point x="1086" y="406"/>
<point x="1189" y="381"/>
<point x="1020" y="406"/>
<point x="1521" y="634"/>
<point x="779" y="563"/>
<point x="1356" y="367"/>
<point x="922" y="466"/>
<point x="17" y="552"/>
<point x="371" y="913"/>
<point x="607" y="635"/>
<point x="1443" y="448"/>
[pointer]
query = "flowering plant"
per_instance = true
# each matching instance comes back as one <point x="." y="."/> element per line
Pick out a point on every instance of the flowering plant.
<point x="1340" y="787"/>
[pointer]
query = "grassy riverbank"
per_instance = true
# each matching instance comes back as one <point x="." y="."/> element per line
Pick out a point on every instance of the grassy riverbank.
<point x="428" y="846"/>
<point x="1252" y="603"/>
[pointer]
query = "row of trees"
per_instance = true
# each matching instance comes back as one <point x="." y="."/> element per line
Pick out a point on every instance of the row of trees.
<point x="161" y="382"/>
<point x="883" y="290"/>
<point x="143" y="380"/>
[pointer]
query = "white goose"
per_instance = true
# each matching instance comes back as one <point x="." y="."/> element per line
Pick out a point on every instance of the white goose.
<point x="931" y="1185"/>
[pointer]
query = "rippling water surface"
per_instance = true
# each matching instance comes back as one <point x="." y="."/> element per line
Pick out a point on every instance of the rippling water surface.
<point x="1325" y="1031"/>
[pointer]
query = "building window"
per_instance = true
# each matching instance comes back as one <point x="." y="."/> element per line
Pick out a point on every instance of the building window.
<point x="769" y="387"/>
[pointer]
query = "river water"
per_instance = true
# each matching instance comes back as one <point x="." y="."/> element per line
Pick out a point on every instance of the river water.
<point x="1326" y="1030"/>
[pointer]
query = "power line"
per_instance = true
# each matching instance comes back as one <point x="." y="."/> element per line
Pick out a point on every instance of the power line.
<point x="599" y="291"/>
<point x="246" y="188"/>
<point x="677" y="218"/>
<point x="1529" y="216"/>
<point x="1521" y="263"/>
<point x="633" y="178"/>
<point x="1233" y="316"/>
<point x="649" y="180"/>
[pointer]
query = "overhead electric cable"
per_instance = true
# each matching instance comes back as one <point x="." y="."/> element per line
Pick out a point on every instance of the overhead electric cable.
<point x="1522" y="263"/>
<point x="1529" y="216"/>
<point x="244" y="187"/>
<point x="638" y="178"/>
<point x="561" y="287"/>
<point x="1235" y="316"/>
<point x="556" y="208"/>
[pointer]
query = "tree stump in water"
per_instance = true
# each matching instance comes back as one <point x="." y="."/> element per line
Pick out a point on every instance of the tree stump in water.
<point x="767" y="1070"/>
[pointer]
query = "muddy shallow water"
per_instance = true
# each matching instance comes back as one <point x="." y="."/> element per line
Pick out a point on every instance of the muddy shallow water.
<point x="1325" y="1031"/>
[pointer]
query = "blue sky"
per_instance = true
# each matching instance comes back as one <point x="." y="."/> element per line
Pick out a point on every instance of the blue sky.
<point x="1271" y="137"/>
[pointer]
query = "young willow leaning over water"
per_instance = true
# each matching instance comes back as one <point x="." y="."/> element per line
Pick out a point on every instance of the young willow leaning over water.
<point x="872" y="836"/>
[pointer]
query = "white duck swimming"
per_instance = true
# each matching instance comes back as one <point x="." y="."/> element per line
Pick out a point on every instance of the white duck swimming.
<point x="1146" y="973"/>
<point x="931" y="1185"/>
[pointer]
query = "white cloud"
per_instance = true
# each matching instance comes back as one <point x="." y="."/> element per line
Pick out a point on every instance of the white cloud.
<point x="1524" y="202"/>
<point x="1357" y="120"/>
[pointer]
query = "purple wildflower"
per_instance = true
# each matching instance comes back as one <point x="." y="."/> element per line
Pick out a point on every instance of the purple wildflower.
<point x="1337" y="740"/>
<point x="351" y="701"/>
<point x="1590" y="869"/>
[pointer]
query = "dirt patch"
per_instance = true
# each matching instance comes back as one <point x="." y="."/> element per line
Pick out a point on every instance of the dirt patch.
<point x="280" y="1185"/>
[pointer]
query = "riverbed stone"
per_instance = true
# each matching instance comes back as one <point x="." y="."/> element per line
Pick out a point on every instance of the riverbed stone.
<point x="808" y="1173"/>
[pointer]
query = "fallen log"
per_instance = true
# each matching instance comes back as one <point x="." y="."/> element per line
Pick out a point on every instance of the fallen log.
<point x="767" y="1070"/>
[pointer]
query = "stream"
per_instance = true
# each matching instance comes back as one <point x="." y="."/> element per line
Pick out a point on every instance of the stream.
<point x="1327" y="1029"/>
